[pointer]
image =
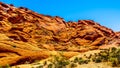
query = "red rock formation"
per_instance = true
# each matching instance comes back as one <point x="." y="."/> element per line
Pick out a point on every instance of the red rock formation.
<point x="53" y="33"/>
<point x="25" y="25"/>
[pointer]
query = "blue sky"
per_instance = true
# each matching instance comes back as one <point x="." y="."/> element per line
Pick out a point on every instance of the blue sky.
<point x="105" y="12"/>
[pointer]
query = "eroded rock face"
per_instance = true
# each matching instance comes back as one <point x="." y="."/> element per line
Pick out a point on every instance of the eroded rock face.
<point x="25" y="25"/>
<point x="118" y="34"/>
<point x="51" y="33"/>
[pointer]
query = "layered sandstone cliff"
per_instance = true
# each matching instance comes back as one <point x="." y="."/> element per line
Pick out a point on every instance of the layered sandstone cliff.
<point x="28" y="34"/>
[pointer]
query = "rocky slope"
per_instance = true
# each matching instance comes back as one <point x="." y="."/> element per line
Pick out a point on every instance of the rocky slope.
<point x="27" y="35"/>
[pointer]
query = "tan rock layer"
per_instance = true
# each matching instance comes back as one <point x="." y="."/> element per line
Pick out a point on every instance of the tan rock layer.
<point x="15" y="52"/>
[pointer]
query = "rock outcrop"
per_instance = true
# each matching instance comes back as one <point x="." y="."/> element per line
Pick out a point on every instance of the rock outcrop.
<point x="48" y="33"/>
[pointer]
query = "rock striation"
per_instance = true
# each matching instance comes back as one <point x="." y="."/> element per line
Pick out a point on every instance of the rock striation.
<point x="26" y="31"/>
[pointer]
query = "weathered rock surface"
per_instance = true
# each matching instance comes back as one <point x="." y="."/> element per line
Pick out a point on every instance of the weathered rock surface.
<point x="51" y="33"/>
